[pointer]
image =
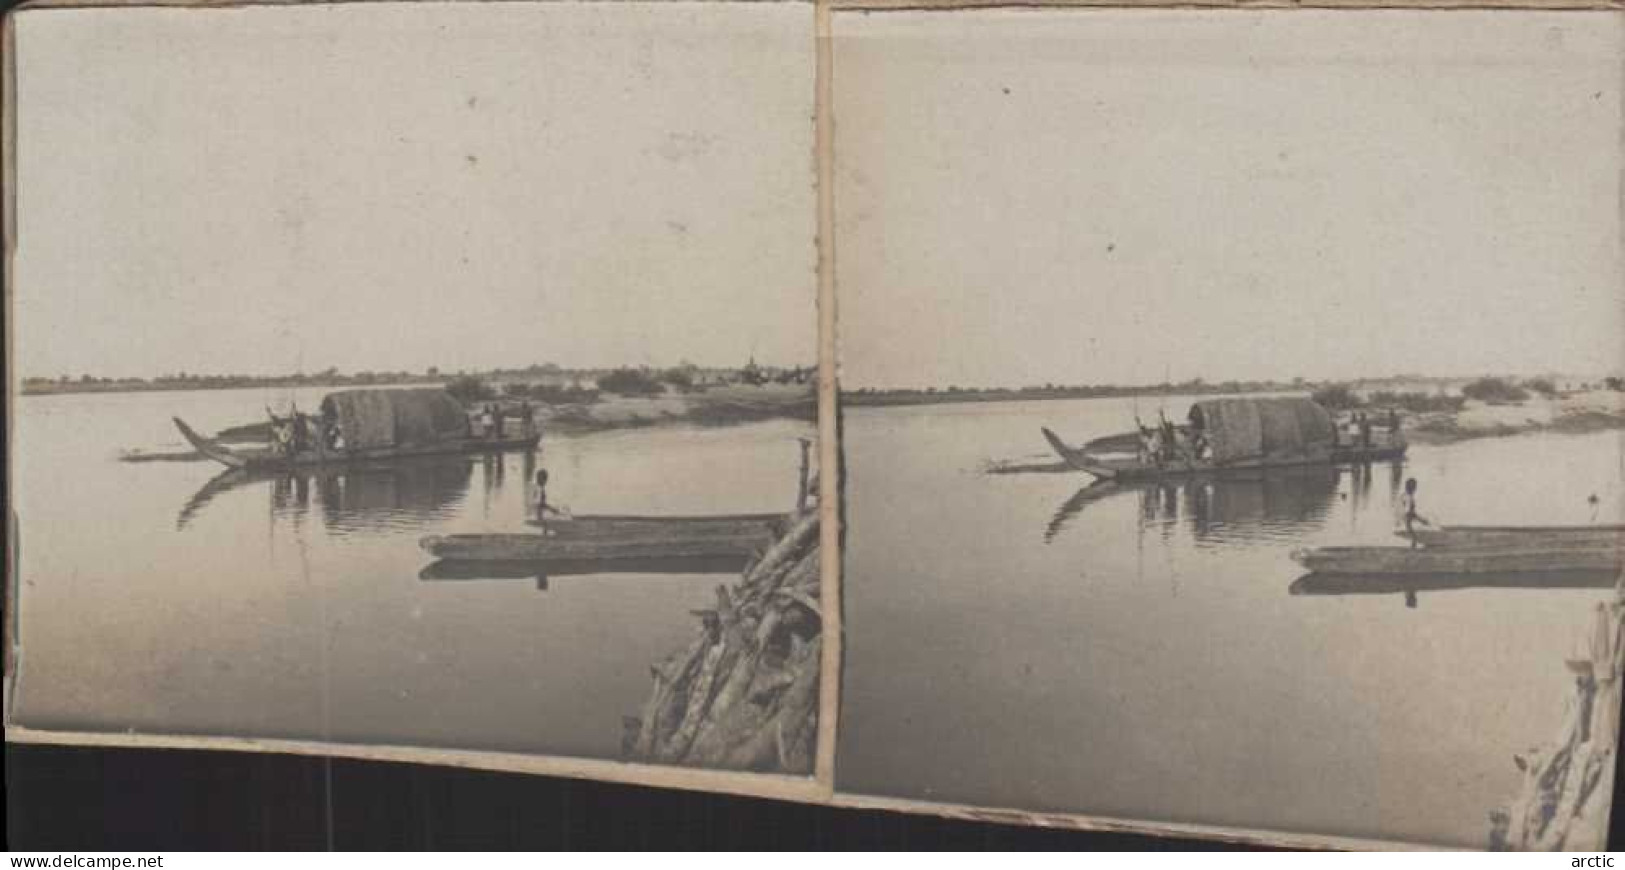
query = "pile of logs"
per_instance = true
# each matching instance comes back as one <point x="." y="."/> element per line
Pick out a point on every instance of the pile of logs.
<point x="743" y="695"/>
<point x="1568" y="784"/>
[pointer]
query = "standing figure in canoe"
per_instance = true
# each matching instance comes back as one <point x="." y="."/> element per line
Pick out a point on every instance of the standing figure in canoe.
<point x="1408" y="514"/>
<point x="540" y="502"/>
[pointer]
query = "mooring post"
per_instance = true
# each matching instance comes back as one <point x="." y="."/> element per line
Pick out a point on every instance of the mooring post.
<point x="801" y="488"/>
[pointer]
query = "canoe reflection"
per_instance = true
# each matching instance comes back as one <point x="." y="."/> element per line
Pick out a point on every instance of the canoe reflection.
<point x="359" y="498"/>
<point x="1410" y="585"/>
<point x="1273" y="504"/>
<point x="542" y="570"/>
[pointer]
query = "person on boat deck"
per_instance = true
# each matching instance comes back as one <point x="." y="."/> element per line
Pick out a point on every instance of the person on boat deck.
<point x="1393" y="422"/>
<point x="1407" y="504"/>
<point x="488" y="422"/>
<point x="300" y="432"/>
<point x="1365" y="432"/>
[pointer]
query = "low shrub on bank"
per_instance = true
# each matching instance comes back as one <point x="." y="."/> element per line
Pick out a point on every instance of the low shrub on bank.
<point x="631" y="382"/>
<point x="1494" y="390"/>
<point x="681" y="379"/>
<point x="1543" y="386"/>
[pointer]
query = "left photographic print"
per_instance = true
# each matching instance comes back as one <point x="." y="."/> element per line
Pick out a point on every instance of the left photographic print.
<point x="430" y="377"/>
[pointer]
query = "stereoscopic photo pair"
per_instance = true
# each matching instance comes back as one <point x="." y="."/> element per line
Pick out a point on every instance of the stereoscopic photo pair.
<point x="1187" y="421"/>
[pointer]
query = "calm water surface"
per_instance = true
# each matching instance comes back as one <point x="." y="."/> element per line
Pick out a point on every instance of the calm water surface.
<point x="1012" y="642"/>
<point x="155" y="601"/>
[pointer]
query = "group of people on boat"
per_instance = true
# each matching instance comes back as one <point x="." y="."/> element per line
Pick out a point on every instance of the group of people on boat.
<point x="1358" y="430"/>
<point x="300" y="432"/>
<point x="1166" y="442"/>
<point x="488" y="422"/>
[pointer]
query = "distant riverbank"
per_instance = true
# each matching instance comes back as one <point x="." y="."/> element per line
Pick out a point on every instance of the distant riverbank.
<point x="955" y="395"/>
<point x="715" y="406"/>
<point x="1590" y="411"/>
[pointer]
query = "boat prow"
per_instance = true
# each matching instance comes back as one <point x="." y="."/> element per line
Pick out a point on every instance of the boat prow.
<point x="209" y="447"/>
<point x="1077" y="458"/>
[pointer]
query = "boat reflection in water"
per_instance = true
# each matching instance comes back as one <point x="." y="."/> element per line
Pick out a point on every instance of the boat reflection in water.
<point x="361" y="498"/>
<point x="542" y="571"/>
<point x="1410" y="585"/>
<point x="1268" y="505"/>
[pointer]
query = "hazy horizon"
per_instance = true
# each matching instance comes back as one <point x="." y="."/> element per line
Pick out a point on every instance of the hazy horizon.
<point x="422" y="371"/>
<point x="396" y="186"/>
<point x="1133" y="196"/>
<point x="1288" y="382"/>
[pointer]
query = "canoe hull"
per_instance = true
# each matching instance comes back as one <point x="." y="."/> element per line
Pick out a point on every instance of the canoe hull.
<point x="532" y="548"/>
<point x="617" y="537"/>
<point x="628" y="526"/>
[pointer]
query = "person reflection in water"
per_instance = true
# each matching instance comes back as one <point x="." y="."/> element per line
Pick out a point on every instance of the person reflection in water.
<point x="1407" y="504"/>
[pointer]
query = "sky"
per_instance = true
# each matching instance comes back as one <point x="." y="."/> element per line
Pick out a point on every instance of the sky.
<point x="1109" y="196"/>
<point x="398" y="186"/>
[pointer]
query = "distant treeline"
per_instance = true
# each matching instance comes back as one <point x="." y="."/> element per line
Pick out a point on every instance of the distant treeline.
<point x="933" y="395"/>
<point x="545" y="379"/>
<point x="1449" y="393"/>
<point x="184" y="381"/>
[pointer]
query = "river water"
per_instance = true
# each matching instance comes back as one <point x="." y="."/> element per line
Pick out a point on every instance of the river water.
<point x="1014" y="641"/>
<point x="292" y="607"/>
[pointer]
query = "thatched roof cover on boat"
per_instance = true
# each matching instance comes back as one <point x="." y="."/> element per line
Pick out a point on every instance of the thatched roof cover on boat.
<point x="1275" y="427"/>
<point x="396" y="418"/>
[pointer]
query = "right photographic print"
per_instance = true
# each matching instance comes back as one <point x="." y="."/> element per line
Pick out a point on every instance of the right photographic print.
<point x="1232" y="408"/>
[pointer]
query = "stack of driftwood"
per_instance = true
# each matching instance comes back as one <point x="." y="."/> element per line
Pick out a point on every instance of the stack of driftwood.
<point x="744" y="694"/>
<point x="1569" y="783"/>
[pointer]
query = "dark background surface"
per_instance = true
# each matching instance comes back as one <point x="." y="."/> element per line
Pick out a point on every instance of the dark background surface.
<point x="61" y="799"/>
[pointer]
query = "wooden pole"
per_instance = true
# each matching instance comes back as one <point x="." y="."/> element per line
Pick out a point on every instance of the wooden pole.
<point x="801" y="488"/>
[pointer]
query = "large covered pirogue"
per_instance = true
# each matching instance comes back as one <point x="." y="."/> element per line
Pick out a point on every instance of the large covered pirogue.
<point x="374" y="425"/>
<point x="1234" y="435"/>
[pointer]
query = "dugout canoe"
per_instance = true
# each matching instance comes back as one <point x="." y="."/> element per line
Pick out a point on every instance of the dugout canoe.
<point x="616" y="537"/>
<point x="1510" y="559"/>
